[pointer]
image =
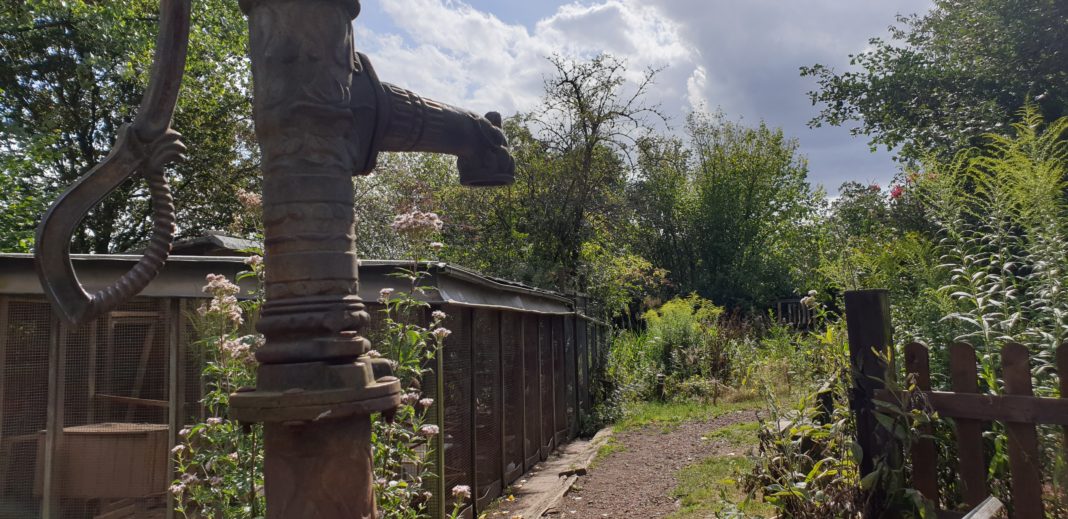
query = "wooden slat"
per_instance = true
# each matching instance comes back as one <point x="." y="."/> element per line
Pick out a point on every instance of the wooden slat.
<point x="924" y="455"/>
<point x="131" y="401"/>
<point x="1062" y="374"/>
<point x="972" y="465"/>
<point x="988" y="509"/>
<point x="1023" y="440"/>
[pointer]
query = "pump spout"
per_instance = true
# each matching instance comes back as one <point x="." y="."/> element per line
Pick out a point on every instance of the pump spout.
<point x="410" y="122"/>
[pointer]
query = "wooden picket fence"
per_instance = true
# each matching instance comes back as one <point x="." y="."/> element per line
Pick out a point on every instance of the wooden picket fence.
<point x="868" y="321"/>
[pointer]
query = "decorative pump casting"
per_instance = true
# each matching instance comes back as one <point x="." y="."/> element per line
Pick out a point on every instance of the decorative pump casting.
<point x="321" y="116"/>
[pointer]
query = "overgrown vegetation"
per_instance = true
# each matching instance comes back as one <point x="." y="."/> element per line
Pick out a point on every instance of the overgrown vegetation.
<point x="683" y="240"/>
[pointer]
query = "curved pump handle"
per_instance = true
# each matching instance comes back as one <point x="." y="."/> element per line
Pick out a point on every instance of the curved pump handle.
<point x="144" y="146"/>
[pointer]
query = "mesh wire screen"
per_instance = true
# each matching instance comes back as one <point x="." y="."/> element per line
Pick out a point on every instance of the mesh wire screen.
<point x="531" y="391"/>
<point x="192" y="363"/>
<point x="511" y="382"/>
<point x="545" y="361"/>
<point x="512" y="379"/>
<point x="114" y="449"/>
<point x="569" y="375"/>
<point x="457" y="432"/>
<point x="487" y="370"/>
<point x="559" y="379"/>
<point x="24" y="349"/>
<point x="582" y="375"/>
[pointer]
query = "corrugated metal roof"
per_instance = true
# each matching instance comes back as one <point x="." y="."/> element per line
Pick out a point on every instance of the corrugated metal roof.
<point x="183" y="276"/>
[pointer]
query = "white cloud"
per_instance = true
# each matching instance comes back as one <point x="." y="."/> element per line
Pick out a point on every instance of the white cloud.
<point x="739" y="56"/>
<point x="457" y="54"/>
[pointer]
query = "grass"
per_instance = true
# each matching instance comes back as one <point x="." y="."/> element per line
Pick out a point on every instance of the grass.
<point x="609" y="448"/>
<point x="710" y="487"/>
<point x="669" y="415"/>
<point x="739" y="434"/>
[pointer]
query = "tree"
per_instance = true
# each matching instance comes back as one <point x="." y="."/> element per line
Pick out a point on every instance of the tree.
<point x="73" y="73"/>
<point x="729" y="213"/>
<point x="567" y="209"/>
<point x="946" y="78"/>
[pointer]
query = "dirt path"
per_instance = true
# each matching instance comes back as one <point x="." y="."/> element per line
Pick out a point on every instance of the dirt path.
<point x="636" y="482"/>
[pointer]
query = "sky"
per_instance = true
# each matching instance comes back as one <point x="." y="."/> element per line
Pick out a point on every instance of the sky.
<point x="738" y="56"/>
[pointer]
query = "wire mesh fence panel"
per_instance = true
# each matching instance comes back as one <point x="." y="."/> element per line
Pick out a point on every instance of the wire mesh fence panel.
<point x="531" y="391"/>
<point x="487" y="388"/>
<point x="512" y="417"/>
<point x="545" y="376"/>
<point x="559" y="379"/>
<point x="24" y="344"/>
<point x="570" y="376"/>
<point x="581" y="370"/>
<point x="458" y="397"/>
<point x="114" y="449"/>
<point x="192" y="360"/>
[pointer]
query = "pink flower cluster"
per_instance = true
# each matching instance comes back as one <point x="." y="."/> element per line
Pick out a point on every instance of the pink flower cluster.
<point x="417" y="222"/>
<point x="223" y="299"/>
<point x="249" y="199"/>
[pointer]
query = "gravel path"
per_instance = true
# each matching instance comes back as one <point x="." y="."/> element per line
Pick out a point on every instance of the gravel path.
<point x="637" y="482"/>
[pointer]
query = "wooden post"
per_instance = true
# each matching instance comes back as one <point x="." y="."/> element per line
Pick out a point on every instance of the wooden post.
<point x="1023" y="440"/>
<point x="57" y="348"/>
<point x="869" y="331"/>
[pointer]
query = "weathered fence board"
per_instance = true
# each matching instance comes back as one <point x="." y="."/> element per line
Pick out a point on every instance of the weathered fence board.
<point x="924" y="455"/>
<point x="964" y="378"/>
<point x="1023" y="440"/>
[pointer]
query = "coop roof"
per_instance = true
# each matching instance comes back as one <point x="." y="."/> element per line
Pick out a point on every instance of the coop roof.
<point x="183" y="276"/>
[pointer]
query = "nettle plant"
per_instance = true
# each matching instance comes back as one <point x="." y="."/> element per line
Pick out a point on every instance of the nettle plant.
<point x="219" y="462"/>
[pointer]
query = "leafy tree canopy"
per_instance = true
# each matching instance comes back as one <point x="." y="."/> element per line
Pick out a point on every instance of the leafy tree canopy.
<point x="944" y="79"/>
<point x="72" y="73"/>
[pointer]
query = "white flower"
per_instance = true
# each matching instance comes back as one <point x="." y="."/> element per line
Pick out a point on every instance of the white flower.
<point x="254" y="260"/>
<point x="184" y="432"/>
<point x="417" y="222"/>
<point x="441" y="333"/>
<point x="383" y="295"/>
<point x="438" y="315"/>
<point x="426" y="402"/>
<point x="178" y="448"/>
<point x="409" y="398"/>
<point x="429" y="431"/>
<point x="214" y="420"/>
<point x="461" y="492"/>
<point x="374" y="354"/>
<point x="436" y="245"/>
<point x="177" y="488"/>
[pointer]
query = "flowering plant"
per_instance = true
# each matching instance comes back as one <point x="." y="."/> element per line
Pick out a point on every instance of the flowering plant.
<point x="404" y="446"/>
<point x="219" y="462"/>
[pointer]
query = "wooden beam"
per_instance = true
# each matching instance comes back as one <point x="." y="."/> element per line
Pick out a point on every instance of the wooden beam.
<point x="993" y="408"/>
<point x="133" y="401"/>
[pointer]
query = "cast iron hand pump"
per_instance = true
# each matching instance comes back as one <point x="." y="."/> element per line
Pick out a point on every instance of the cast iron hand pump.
<point x="321" y="116"/>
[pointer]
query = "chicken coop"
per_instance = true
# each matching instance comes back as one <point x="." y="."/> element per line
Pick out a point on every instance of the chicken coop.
<point x="88" y="414"/>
